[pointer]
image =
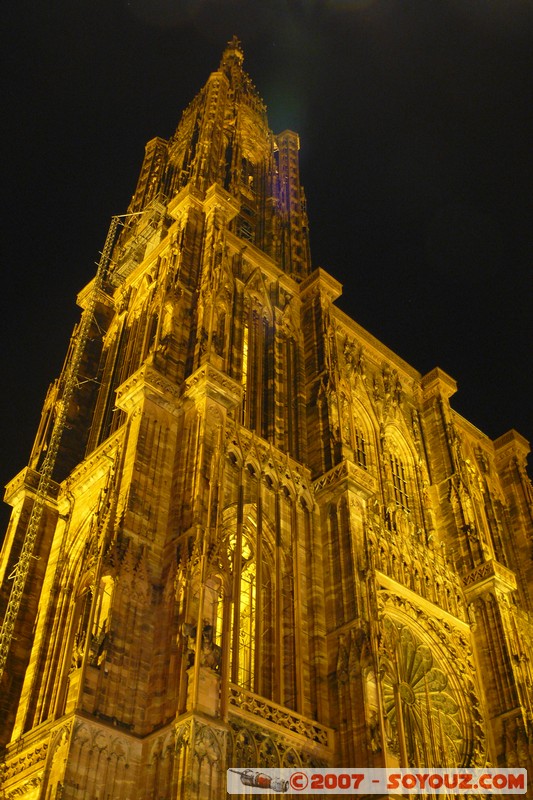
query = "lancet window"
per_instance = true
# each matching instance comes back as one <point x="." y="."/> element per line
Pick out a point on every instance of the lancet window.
<point x="256" y="373"/>
<point x="244" y="633"/>
<point x="262" y="626"/>
<point x="399" y="481"/>
<point x="360" y="449"/>
<point x="247" y="611"/>
<point x="244" y="377"/>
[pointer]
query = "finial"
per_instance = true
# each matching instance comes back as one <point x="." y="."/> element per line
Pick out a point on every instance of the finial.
<point x="235" y="43"/>
<point x="233" y="52"/>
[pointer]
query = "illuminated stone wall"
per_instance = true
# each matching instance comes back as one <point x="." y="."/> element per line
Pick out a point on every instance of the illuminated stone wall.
<point x="269" y="540"/>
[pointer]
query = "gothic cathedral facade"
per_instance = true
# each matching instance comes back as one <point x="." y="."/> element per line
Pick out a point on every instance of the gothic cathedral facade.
<point x="249" y="534"/>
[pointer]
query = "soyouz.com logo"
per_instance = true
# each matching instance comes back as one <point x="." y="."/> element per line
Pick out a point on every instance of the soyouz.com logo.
<point x="376" y="781"/>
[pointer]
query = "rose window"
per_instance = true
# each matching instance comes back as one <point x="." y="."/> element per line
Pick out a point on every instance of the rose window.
<point x="421" y="713"/>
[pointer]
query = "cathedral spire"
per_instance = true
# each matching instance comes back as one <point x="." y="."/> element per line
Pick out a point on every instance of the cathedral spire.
<point x="223" y="139"/>
<point x="231" y="63"/>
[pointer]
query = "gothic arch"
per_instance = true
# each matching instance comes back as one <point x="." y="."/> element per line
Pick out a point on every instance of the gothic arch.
<point x="363" y="430"/>
<point x="400" y="471"/>
<point x="291" y="758"/>
<point x="252" y="465"/>
<point x="160" y="765"/>
<point x="269" y="754"/>
<point x="261" y="624"/>
<point x="244" y="750"/>
<point x="256" y="295"/>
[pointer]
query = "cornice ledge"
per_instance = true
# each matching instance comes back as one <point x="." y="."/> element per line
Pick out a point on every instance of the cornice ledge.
<point x="511" y="444"/>
<point x="489" y="576"/>
<point x="320" y="281"/>
<point x="28" y="479"/>
<point x="187" y="198"/>
<point x="392" y="594"/>
<point x="90" y="468"/>
<point x="148" y="384"/>
<point x="438" y="383"/>
<point x="217" y="198"/>
<point x="359" y="480"/>
<point x="208" y="381"/>
<point x="84" y="296"/>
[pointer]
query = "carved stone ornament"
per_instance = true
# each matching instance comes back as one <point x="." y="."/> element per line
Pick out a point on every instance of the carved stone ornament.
<point x="252" y="746"/>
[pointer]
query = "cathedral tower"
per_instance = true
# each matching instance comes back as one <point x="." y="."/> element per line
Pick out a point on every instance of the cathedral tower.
<point x="249" y="534"/>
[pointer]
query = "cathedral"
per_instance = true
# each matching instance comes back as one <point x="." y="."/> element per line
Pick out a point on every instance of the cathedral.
<point x="249" y="534"/>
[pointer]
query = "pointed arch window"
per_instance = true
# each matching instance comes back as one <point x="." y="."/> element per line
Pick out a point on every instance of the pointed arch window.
<point x="260" y="623"/>
<point x="399" y="481"/>
<point x="245" y="360"/>
<point x="255" y="377"/>
<point x="214" y="607"/>
<point x="243" y="624"/>
<point x="360" y="449"/>
<point x="358" y="432"/>
<point x="247" y="626"/>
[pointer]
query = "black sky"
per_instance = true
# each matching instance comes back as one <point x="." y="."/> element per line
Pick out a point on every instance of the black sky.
<point x="416" y="155"/>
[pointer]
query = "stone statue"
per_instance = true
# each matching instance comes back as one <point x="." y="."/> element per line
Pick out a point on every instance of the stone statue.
<point x="210" y="652"/>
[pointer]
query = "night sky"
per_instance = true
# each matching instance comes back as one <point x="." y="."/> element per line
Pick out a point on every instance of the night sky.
<point x="416" y="130"/>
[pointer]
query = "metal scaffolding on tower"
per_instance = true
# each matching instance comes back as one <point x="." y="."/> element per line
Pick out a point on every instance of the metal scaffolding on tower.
<point x="21" y="570"/>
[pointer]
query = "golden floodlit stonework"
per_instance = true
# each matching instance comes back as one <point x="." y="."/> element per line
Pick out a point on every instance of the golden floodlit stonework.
<point x="249" y="534"/>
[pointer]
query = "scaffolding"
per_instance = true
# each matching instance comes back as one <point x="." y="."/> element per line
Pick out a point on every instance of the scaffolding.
<point x="21" y="570"/>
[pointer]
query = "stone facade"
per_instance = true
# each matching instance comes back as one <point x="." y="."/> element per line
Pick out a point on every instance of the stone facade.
<point x="266" y="540"/>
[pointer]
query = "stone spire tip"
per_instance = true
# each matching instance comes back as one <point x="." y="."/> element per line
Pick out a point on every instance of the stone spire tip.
<point x="233" y="51"/>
